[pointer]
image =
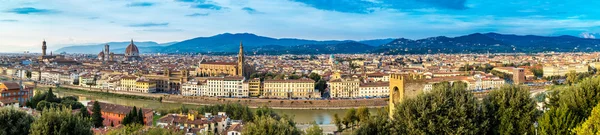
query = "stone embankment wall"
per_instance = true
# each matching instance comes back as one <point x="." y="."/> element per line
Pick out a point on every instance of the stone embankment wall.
<point x="253" y="102"/>
<point x="283" y="104"/>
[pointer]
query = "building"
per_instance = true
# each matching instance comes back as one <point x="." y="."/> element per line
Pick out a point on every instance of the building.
<point x="255" y="87"/>
<point x="170" y="81"/>
<point x="562" y="70"/>
<point x="518" y="76"/>
<point x="114" y="114"/>
<point x="230" y="86"/>
<point x="193" y="88"/>
<point x="11" y="93"/>
<point x="378" y="77"/>
<point x="145" y="86"/>
<point x="132" y="53"/>
<point x="46" y="57"/>
<point x="343" y="88"/>
<point x="376" y="89"/>
<point x="128" y="83"/>
<point x="194" y="123"/>
<point x="235" y="128"/>
<point x="226" y="68"/>
<point x="300" y="88"/>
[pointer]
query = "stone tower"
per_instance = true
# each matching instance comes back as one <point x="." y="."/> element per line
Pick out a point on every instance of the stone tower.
<point x="44" y="48"/>
<point x="240" y="61"/>
<point x="403" y="86"/>
<point x="106" y="49"/>
<point x="396" y="92"/>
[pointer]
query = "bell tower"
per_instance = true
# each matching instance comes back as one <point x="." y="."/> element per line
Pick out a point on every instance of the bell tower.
<point x="106" y="49"/>
<point x="240" y="61"/>
<point x="44" y="48"/>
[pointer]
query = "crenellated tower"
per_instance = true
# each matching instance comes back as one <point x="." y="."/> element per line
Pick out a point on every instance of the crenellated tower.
<point x="44" y="48"/>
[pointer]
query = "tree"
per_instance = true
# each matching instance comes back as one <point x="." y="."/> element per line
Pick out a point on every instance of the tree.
<point x="376" y="125"/>
<point x="321" y="85"/>
<point x="162" y="131"/>
<point x="140" y="116"/>
<point x="350" y="117"/>
<point x="337" y="121"/>
<point x="572" y="77"/>
<point x="314" y="76"/>
<point x="60" y="121"/>
<point x="28" y="74"/>
<point x="558" y="121"/>
<point x="292" y="77"/>
<point x="448" y="110"/>
<point x="362" y="114"/>
<point x="510" y="110"/>
<point x="537" y="72"/>
<point x="135" y="116"/>
<point x="591" y="126"/>
<point x="84" y="113"/>
<point x="14" y="122"/>
<point x="50" y="97"/>
<point x="314" y="129"/>
<point x="127" y="130"/>
<point x="581" y="98"/>
<point x="266" y="125"/>
<point x="97" y="115"/>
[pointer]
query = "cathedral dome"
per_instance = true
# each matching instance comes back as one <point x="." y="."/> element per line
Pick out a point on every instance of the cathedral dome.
<point x="101" y="53"/>
<point x="132" y="50"/>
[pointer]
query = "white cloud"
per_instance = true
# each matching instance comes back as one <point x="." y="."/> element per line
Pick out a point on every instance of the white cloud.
<point x="97" y="21"/>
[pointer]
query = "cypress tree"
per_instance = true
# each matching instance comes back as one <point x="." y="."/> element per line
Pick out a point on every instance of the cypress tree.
<point x="97" y="115"/>
<point x="133" y="115"/>
<point x="140" y="116"/>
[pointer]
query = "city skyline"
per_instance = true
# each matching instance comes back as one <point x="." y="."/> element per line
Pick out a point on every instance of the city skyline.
<point x="65" y="23"/>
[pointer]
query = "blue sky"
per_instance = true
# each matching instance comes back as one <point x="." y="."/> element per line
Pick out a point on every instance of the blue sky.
<point x="25" y="23"/>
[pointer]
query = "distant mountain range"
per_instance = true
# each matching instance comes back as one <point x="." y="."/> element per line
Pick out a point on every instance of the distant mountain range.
<point x="253" y="44"/>
<point x="117" y="47"/>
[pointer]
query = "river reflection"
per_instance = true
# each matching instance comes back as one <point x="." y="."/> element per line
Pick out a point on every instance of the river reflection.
<point x="321" y="117"/>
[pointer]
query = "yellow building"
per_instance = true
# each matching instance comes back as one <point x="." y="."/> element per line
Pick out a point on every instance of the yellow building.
<point x="344" y="87"/>
<point x="145" y="86"/>
<point x="128" y="83"/>
<point x="217" y="69"/>
<point x="301" y="88"/>
<point x="562" y="70"/>
<point x="169" y="80"/>
<point x="255" y="87"/>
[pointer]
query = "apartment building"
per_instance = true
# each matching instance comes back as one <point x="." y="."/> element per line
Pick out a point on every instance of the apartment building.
<point x="300" y="88"/>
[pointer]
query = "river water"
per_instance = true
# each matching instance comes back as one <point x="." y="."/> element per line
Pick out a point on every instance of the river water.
<point x="322" y="117"/>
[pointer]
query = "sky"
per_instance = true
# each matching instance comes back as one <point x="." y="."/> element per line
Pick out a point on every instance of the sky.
<point x="24" y="24"/>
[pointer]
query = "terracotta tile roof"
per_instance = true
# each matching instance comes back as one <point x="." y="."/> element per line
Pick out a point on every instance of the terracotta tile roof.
<point x="113" y="108"/>
<point x="9" y="85"/>
<point x="375" y="84"/>
<point x="219" y="63"/>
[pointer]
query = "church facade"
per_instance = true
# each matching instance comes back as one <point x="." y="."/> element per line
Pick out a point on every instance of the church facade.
<point x="239" y="68"/>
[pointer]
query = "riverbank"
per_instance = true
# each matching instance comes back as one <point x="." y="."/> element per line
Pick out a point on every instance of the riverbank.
<point x="250" y="102"/>
<point x="306" y="116"/>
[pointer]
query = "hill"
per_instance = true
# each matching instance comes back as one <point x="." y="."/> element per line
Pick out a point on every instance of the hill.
<point x="117" y="47"/>
<point x="228" y="43"/>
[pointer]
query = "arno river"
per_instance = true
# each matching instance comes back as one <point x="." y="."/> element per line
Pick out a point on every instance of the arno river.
<point x="323" y="117"/>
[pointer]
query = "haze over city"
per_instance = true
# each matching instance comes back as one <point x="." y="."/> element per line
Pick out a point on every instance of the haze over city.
<point x="25" y="23"/>
<point x="299" y="67"/>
